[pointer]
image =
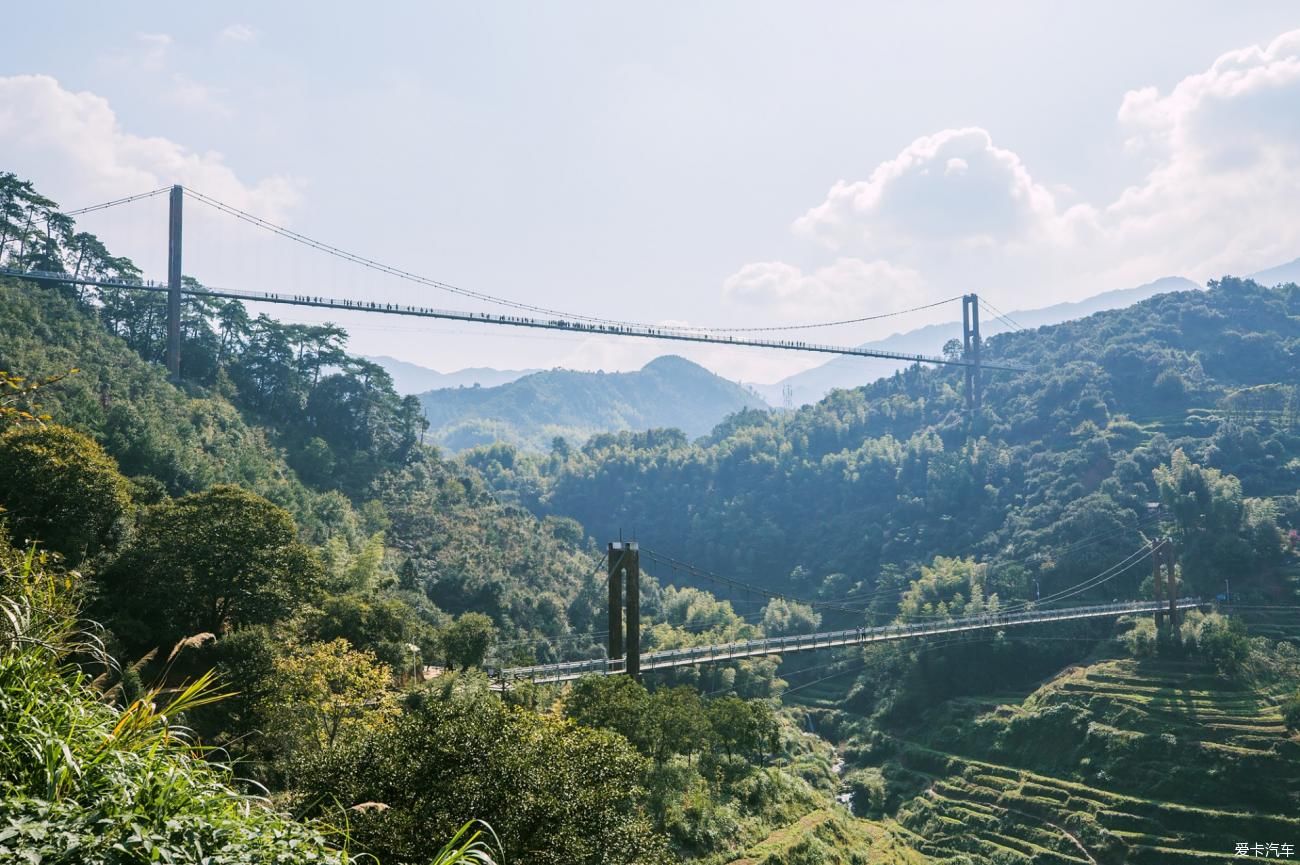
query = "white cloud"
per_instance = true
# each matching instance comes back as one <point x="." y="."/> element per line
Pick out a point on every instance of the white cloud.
<point x="953" y="187"/>
<point x="237" y="33"/>
<point x="1216" y="194"/>
<point x="1226" y="149"/>
<point x="73" y="147"/>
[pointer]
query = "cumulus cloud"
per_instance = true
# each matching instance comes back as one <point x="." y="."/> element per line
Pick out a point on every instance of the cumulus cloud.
<point x="1226" y="149"/>
<point x="1215" y="194"/>
<point x="953" y="187"/>
<point x="73" y="147"/>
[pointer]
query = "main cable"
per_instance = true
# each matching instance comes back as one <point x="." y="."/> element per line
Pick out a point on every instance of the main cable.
<point x="408" y="276"/>
<point x="115" y="202"/>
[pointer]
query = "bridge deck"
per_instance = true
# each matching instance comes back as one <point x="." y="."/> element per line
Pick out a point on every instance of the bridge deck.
<point x="621" y="330"/>
<point x="553" y="673"/>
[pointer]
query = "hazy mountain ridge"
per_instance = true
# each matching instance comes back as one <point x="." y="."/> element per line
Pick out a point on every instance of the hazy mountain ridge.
<point x="1279" y="275"/>
<point x="845" y="372"/>
<point x="412" y="378"/>
<point x="670" y="391"/>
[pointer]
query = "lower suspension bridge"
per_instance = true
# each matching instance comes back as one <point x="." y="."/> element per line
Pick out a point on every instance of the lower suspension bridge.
<point x="625" y="656"/>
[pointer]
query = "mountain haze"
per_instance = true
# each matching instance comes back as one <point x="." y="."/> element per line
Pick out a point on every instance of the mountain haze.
<point x="411" y="378"/>
<point x="669" y="391"/>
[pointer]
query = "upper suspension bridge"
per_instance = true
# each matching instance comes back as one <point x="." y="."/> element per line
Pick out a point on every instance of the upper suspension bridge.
<point x="513" y="313"/>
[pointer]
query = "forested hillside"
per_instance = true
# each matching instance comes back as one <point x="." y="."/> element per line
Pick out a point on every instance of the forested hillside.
<point x="274" y="519"/>
<point x="852" y="494"/>
<point x="533" y="411"/>
<point x="276" y="560"/>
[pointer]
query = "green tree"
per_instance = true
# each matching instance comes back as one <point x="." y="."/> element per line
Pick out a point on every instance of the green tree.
<point x="1219" y="532"/>
<point x="325" y="695"/>
<point x="678" y="724"/>
<point x="555" y="793"/>
<point x="618" y="703"/>
<point x="58" y="487"/>
<point x="213" y="562"/>
<point x="1291" y="713"/>
<point x="466" y="641"/>
<point x="782" y="618"/>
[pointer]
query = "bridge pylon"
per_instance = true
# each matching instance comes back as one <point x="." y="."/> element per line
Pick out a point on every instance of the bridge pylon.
<point x="1164" y="582"/>
<point x="625" y="567"/>
<point x="970" y="343"/>
<point x="174" y="283"/>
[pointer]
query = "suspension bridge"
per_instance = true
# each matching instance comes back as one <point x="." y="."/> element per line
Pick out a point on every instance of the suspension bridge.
<point x="691" y="657"/>
<point x="624" y="654"/>
<point x="514" y="313"/>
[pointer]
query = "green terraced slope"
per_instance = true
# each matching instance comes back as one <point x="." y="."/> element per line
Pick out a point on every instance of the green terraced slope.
<point x="1117" y="762"/>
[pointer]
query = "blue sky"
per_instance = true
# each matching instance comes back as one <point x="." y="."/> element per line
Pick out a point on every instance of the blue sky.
<point x="722" y="162"/>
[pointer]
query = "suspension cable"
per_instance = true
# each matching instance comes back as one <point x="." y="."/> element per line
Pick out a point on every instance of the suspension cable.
<point x="390" y="270"/>
<point x="115" y="202"/>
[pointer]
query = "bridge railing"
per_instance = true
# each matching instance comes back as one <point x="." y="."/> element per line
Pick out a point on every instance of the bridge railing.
<point x="580" y="325"/>
<point x="691" y="655"/>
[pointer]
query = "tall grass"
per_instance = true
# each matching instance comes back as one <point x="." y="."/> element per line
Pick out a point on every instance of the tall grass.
<point x="85" y="782"/>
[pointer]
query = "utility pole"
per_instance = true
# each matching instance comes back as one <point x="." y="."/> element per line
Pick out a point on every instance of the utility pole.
<point x="1162" y="557"/>
<point x="174" y="284"/>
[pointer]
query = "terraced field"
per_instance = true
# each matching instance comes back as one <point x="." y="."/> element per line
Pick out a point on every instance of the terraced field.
<point x="1118" y="762"/>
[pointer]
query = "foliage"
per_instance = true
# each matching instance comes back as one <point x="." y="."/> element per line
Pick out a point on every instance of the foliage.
<point x="1219" y="532"/>
<point x="210" y="562"/>
<point x="1050" y="483"/>
<point x="58" y="487"/>
<point x="1291" y="713"/>
<point x="18" y="399"/>
<point x="466" y="641"/>
<point x="554" y="792"/>
<point x="82" y="781"/>
<point x="326" y="695"/>
<point x="782" y="617"/>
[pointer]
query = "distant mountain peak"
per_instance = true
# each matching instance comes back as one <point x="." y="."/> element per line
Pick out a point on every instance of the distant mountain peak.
<point x="669" y="391"/>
